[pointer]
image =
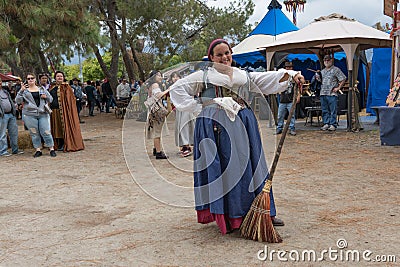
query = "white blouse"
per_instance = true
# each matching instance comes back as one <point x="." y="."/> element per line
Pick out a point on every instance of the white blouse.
<point x="184" y="89"/>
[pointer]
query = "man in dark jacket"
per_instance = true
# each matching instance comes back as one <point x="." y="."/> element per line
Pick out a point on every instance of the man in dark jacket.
<point x="107" y="91"/>
<point x="91" y="93"/>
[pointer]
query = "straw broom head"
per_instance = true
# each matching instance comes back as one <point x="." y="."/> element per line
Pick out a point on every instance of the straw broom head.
<point x="257" y="225"/>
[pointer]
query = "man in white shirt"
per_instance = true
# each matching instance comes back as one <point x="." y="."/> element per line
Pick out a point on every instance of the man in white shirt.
<point x="123" y="90"/>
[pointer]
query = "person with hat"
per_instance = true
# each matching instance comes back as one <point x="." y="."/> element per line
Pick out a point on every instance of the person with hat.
<point x="333" y="80"/>
<point x="285" y="104"/>
<point x="229" y="162"/>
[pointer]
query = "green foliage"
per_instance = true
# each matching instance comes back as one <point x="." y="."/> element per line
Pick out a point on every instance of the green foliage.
<point x="174" y="60"/>
<point x="34" y="31"/>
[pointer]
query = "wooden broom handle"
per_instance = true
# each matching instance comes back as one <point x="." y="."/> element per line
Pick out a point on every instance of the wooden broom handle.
<point x="285" y="130"/>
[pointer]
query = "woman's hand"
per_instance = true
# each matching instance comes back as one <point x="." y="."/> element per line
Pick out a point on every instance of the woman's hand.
<point x="23" y="87"/>
<point x="299" y="79"/>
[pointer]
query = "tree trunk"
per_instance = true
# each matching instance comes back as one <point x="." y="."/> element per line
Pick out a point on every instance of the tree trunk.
<point x="43" y="62"/>
<point x="142" y="74"/>
<point x="125" y="56"/>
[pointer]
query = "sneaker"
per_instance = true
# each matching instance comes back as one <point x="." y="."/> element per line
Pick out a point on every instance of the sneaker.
<point x="19" y="152"/>
<point x="278" y="131"/>
<point x="161" y="155"/>
<point x="6" y="154"/>
<point x="332" y="128"/>
<point x="37" y="154"/>
<point x="325" y="127"/>
<point x="53" y="153"/>
<point x="292" y="132"/>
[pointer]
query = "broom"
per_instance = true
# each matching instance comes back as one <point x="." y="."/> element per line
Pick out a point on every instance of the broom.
<point x="257" y="224"/>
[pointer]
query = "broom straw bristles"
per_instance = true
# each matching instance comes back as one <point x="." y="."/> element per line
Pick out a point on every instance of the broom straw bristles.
<point x="257" y="225"/>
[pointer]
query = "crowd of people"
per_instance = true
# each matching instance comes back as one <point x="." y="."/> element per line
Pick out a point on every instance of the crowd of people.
<point x="50" y="110"/>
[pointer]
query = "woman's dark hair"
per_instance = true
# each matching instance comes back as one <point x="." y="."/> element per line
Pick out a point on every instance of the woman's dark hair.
<point x="175" y="73"/>
<point x="57" y="72"/>
<point x="43" y="75"/>
<point x="152" y="76"/>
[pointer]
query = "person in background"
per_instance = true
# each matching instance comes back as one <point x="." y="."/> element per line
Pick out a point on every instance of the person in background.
<point x="78" y="92"/>
<point x="230" y="169"/>
<point x="154" y="131"/>
<point x="285" y="104"/>
<point x="8" y="122"/>
<point x="107" y="94"/>
<point x="333" y="80"/>
<point x="91" y="93"/>
<point x="44" y="81"/>
<point x="315" y="84"/>
<point x="35" y="116"/>
<point x="99" y="96"/>
<point x="17" y="87"/>
<point x="184" y="125"/>
<point x="123" y="90"/>
<point x="64" y="119"/>
<point x="134" y="85"/>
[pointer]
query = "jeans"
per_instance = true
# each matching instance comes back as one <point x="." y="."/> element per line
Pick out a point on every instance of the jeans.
<point x="8" y="122"/>
<point x="329" y="109"/>
<point x="79" y="106"/>
<point x="109" y="103"/>
<point x="283" y="107"/>
<point x="91" y="106"/>
<point x="39" y="126"/>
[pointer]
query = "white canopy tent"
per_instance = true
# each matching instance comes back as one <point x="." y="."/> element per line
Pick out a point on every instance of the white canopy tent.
<point x="252" y="43"/>
<point x="327" y="35"/>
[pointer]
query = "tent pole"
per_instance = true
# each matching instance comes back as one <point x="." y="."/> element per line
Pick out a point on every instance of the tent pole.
<point x="350" y="103"/>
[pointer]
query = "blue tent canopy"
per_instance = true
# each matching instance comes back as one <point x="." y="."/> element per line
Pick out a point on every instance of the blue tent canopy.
<point x="379" y="83"/>
<point x="274" y="22"/>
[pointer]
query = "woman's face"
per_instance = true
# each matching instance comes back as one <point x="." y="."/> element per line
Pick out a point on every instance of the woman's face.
<point x="59" y="78"/>
<point x="158" y="77"/>
<point x="43" y="80"/>
<point x="222" y="54"/>
<point x="175" y="78"/>
<point x="30" y="79"/>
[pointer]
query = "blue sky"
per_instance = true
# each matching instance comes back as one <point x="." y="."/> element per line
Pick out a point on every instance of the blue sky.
<point x="367" y="12"/>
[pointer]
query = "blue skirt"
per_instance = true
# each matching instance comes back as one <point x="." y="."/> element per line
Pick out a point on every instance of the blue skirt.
<point x="229" y="163"/>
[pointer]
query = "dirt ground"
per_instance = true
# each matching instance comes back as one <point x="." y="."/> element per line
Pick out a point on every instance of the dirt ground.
<point x="87" y="208"/>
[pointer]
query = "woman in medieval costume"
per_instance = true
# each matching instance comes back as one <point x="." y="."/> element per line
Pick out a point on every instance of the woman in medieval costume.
<point x="64" y="119"/>
<point x="229" y="163"/>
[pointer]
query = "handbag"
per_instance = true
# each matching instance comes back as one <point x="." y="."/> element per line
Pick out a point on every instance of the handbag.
<point x="157" y="110"/>
<point x="47" y="109"/>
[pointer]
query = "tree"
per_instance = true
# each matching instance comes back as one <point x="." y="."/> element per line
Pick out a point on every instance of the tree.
<point x="37" y="33"/>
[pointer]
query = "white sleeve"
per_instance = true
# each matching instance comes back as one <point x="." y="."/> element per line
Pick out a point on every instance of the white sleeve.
<point x="268" y="82"/>
<point x="183" y="91"/>
<point x="118" y="90"/>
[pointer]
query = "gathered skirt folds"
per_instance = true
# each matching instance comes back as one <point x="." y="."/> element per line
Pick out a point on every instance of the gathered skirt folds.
<point x="230" y="169"/>
<point x="184" y="128"/>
